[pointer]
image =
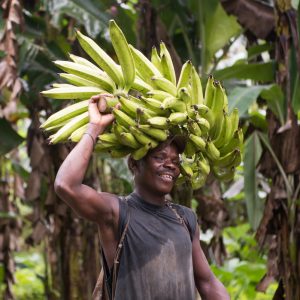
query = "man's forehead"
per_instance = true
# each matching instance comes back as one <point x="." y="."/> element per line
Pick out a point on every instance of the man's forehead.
<point x="163" y="148"/>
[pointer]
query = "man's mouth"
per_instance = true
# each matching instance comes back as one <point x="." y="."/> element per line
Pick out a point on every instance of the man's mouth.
<point x="166" y="177"/>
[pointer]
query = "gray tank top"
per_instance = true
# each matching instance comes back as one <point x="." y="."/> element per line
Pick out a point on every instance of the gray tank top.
<point x="156" y="260"/>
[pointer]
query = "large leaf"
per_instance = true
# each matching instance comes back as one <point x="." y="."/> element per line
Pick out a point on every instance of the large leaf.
<point x="254" y="204"/>
<point x="9" y="139"/>
<point x="219" y="29"/>
<point x="90" y="13"/>
<point x="264" y="72"/>
<point x="275" y="99"/>
<point x="243" y="97"/>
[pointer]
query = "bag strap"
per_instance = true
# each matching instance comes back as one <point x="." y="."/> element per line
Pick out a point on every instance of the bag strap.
<point x="100" y="291"/>
<point x="180" y="219"/>
<point x="118" y="254"/>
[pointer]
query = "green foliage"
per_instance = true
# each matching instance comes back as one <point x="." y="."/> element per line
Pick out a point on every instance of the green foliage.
<point x="9" y="138"/>
<point x="243" y="97"/>
<point x="264" y="72"/>
<point x="244" y="267"/>
<point x="219" y="28"/>
<point x="29" y="276"/>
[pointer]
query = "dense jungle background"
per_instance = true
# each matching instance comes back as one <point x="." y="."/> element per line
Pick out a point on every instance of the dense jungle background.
<point x="250" y="227"/>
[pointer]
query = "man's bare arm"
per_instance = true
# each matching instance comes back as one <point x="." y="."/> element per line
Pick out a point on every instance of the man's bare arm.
<point x="208" y="286"/>
<point x="86" y="202"/>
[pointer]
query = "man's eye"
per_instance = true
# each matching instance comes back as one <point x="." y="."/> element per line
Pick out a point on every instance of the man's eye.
<point x="158" y="157"/>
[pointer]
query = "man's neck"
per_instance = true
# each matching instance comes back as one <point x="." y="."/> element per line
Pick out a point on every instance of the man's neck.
<point x="150" y="197"/>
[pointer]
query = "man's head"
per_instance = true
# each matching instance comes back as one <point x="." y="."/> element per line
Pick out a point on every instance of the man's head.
<point x="159" y="169"/>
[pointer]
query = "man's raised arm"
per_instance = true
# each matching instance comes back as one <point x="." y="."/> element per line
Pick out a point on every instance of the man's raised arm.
<point x="85" y="201"/>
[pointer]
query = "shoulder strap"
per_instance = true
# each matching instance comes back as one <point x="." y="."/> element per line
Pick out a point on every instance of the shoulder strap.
<point x="100" y="291"/>
<point x="180" y="219"/>
<point x="118" y="253"/>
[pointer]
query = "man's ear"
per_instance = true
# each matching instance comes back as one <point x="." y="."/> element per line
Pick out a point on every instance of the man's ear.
<point x="132" y="165"/>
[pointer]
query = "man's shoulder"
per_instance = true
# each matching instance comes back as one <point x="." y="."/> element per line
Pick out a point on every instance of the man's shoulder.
<point x="186" y="210"/>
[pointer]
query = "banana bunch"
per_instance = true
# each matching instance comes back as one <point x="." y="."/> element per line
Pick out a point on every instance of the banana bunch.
<point x="154" y="106"/>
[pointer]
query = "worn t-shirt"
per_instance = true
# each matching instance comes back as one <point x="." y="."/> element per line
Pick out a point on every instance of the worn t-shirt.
<point x="156" y="260"/>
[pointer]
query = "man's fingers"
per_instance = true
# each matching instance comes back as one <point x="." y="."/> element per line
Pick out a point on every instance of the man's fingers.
<point x="102" y="104"/>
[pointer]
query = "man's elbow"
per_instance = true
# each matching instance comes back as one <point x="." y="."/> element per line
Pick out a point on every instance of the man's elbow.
<point x="62" y="189"/>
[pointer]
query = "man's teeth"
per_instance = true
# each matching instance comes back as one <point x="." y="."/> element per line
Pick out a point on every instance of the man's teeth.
<point x="166" y="176"/>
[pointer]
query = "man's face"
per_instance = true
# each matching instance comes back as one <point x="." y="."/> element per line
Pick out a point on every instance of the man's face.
<point x="159" y="170"/>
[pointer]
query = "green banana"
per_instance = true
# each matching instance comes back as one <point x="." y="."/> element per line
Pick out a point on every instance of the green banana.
<point x="102" y="59"/>
<point x="232" y="159"/>
<point x="119" y="153"/>
<point x="192" y="113"/>
<point x="224" y="136"/>
<point x="164" y="84"/>
<point x="174" y="104"/>
<point x="177" y="118"/>
<point x="225" y="105"/>
<point x="235" y="142"/>
<point x="186" y="170"/>
<point x="218" y="99"/>
<point x="108" y="137"/>
<point x="153" y="105"/>
<point x="66" y="114"/>
<point x="167" y="63"/>
<point x="76" y="92"/>
<point x="63" y="133"/>
<point x="76" y="80"/>
<point x="184" y="95"/>
<point x="234" y="117"/>
<point x="185" y="75"/>
<point x="141" y="137"/>
<point x="194" y="128"/>
<point x="159" y="122"/>
<point x="123" y="53"/>
<point x="209" y="92"/>
<point x="224" y="175"/>
<point x="78" y="133"/>
<point x="205" y="112"/>
<point x="198" y="141"/>
<point x="129" y="140"/>
<point x="198" y="181"/>
<point x="62" y="85"/>
<point x="190" y="149"/>
<point x="158" y="134"/>
<point x="158" y="94"/>
<point x="141" y="86"/>
<point x="196" y="87"/>
<point x="54" y="128"/>
<point x="129" y="107"/>
<point x="203" y="164"/>
<point x="117" y="129"/>
<point x="203" y="124"/>
<point x="104" y="146"/>
<point x="83" y="61"/>
<point x="217" y="111"/>
<point x="98" y="77"/>
<point x="211" y="151"/>
<point x="144" y="66"/>
<point x="122" y="118"/>
<point x="155" y="59"/>
<point x="141" y="152"/>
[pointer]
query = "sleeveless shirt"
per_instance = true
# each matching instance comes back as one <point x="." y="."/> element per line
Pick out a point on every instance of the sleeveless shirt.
<point x="156" y="260"/>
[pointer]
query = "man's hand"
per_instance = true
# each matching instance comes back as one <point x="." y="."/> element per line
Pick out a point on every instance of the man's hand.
<point x="97" y="108"/>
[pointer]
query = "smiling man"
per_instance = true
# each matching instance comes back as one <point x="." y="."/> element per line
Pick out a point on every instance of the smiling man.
<point x="150" y="247"/>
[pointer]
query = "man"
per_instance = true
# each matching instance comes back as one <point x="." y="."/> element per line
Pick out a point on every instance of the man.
<point x="161" y="257"/>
